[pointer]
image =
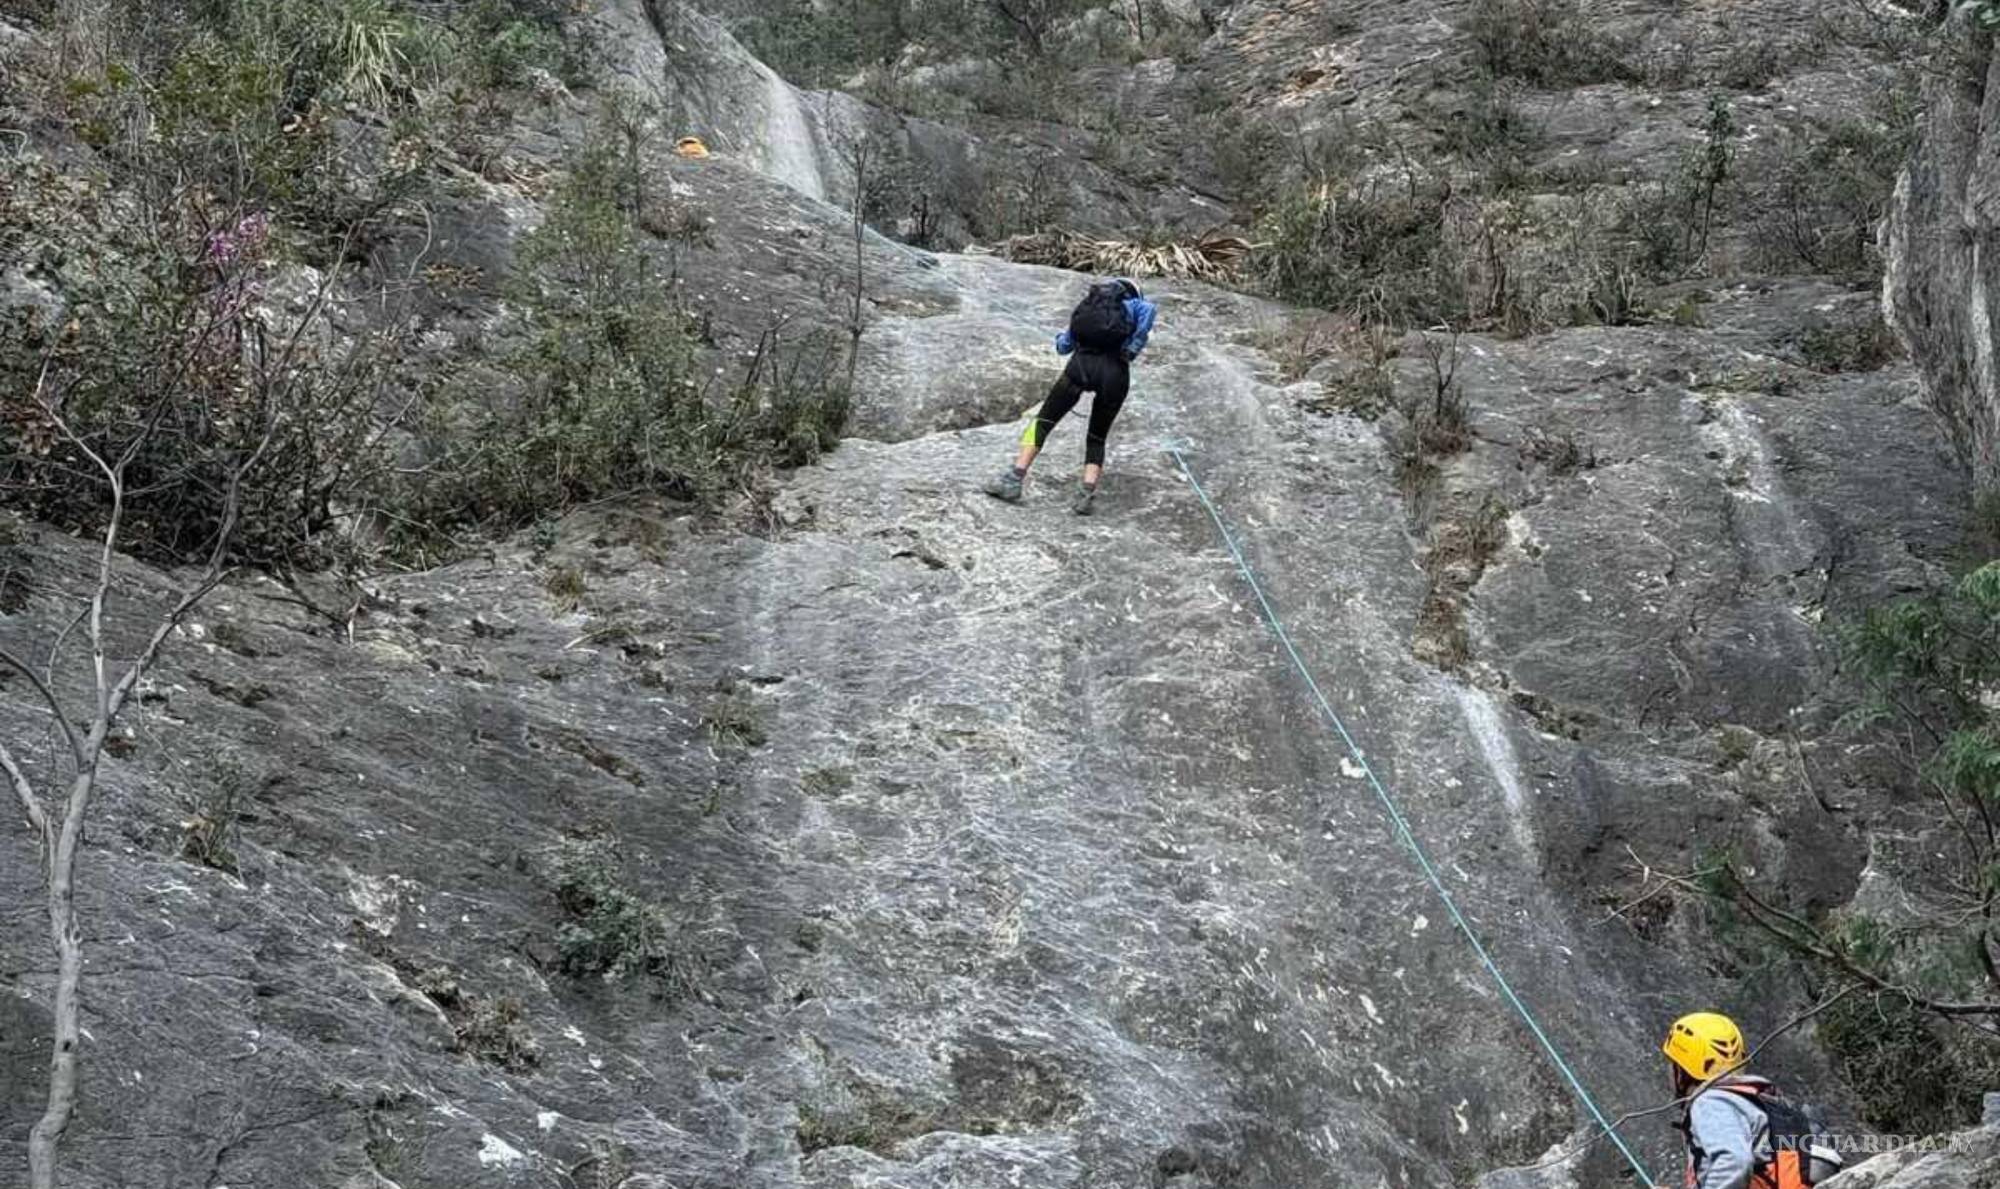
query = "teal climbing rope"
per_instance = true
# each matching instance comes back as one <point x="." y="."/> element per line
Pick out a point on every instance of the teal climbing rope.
<point x="1402" y="824"/>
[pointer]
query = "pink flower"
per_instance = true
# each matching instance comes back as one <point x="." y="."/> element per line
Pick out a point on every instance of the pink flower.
<point x="245" y="238"/>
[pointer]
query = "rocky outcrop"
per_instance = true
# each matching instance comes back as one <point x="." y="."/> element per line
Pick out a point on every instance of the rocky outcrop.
<point x="1939" y="244"/>
<point x="1968" y="1160"/>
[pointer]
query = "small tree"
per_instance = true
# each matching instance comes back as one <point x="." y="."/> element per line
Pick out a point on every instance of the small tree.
<point x="1706" y="171"/>
<point x="163" y="407"/>
<point x="58" y="825"/>
<point x="859" y="147"/>
<point x="1033" y="21"/>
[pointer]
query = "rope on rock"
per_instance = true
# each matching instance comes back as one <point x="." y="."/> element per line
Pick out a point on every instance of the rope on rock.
<point x="1402" y="824"/>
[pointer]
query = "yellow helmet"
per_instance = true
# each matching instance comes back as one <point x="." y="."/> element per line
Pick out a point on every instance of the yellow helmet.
<point x="1704" y="1044"/>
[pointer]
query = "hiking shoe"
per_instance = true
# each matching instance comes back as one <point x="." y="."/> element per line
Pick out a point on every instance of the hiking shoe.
<point x="1005" y="486"/>
<point x="1085" y="496"/>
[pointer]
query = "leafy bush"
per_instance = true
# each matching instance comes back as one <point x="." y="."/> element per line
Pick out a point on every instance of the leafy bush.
<point x="1420" y="253"/>
<point x="823" y="46"/>
<point x="612" y="932"/>
<point x="1491" y="132"/>
<point x="1549" y="43"/>
<point x="1532" y="264"/>
<point x="608" y="396"/>
<point x="1821" y="186"/>
<point x="1914" y="1075"/>
<point x="802" y="402"/>
<point x="1673" y="219"/>
<point x="505" y="42"/>
<point x="168" y="351"/>
<point x="1374" y="250"/>
<point x="1861" y="345"/>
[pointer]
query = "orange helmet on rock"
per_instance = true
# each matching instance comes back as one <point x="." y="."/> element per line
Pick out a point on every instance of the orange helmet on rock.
<point x="1704" y="1044"/>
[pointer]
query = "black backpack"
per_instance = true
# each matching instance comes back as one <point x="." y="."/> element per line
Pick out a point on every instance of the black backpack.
<point x="1099" y="323"/>
<point x="1802" y="1154"/>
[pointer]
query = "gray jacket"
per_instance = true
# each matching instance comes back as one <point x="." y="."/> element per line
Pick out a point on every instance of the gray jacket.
<point x="1728" y="1136"/>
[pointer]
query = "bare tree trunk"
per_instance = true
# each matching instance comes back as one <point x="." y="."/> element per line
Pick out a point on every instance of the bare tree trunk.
<point x="861" y="148"/>
<point x="67" y="941"/>
<point x="61" y="844"/>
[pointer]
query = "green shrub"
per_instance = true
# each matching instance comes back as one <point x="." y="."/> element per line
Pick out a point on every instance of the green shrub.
<point x="167" y="356"/>
<point x="1490" y="132"/>
<point x="609" y="393"/>
<point x="1863" y="345"/>
<point x="506" y="42"/>
<point x="1420" y="254"/>
<point x="1928" y="664"/>
<point x="798" y="401"/>
<point x="815" y="46"/>
<point x="1750" y="65"/>
<point x="1673" y="219"/>
<point x="1549" y="43"/>
<point x="1820" y="187"/>
<point x="1914" y="1075"/>
<point x="1375" y="251"/>
<point x="1535" y="263"/>
<point x="612" y="932"/>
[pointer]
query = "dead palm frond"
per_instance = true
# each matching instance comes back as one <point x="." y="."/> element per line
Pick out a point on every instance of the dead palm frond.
<point x="1211" y="256"/>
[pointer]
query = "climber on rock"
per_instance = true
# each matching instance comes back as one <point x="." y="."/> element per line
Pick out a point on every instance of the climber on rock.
<point x="1741" y="1133"/>
<point x="1107" y="330"/>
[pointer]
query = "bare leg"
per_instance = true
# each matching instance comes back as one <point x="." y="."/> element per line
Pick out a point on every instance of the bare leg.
<point x="1026" y="458"/>
<point x="1092" y="472"/>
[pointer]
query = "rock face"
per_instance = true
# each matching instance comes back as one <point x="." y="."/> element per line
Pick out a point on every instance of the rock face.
<point x="992" y="845"/>
<point x="1972" y="1158"/>
<point x="932" y="183"/>
<point x="1938" y="243"/>
<point x="928" y="841"/>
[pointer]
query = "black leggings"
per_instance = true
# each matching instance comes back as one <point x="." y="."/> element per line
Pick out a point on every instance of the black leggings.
<point x="1106" y="375"/>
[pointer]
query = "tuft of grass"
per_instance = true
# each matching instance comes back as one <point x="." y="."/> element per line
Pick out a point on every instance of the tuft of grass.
<point x="207" y="833"/>
<point x="565" y="584"/>
<point x="827" y="783"/>
<point x="734" y="720"/>
<point x="1562" y="452"/>
<point x="491" y="1030"/>
<point x="1735" y="744"/>
<point x="1865" y="345"/>
<point x="1364" y="392"/>
<point x="872" y="1124"/>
